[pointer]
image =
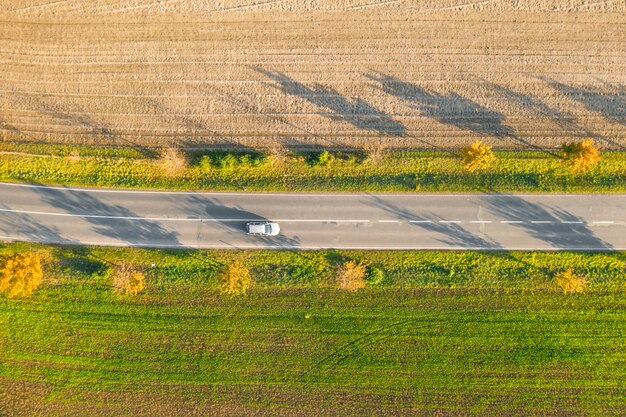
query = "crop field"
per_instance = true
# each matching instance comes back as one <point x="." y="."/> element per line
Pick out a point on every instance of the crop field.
<point x="445" y="333"/>
<point x="337" y="73"/>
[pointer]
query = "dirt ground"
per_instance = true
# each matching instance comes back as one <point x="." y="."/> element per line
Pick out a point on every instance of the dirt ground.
<point x="338" y="73"/>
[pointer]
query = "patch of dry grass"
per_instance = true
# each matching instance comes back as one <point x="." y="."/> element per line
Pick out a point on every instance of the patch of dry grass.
<point x="74" y="156"/>
<point x="375" y="153"/>
<point x="351" y="276"/>
<point x="174" y="162"/>
<point x="127" y="280"/>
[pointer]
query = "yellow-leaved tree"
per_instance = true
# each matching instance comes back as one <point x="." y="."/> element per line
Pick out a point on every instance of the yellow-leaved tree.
<point x="128" y="281"/>
<point x="477" y="156"/>
<point x="21" y="275"/>
<point x="235" y="279"/>
<point x="570" y="283"/>
<point x="580" y="156"/>
<point x="351" y="276"/>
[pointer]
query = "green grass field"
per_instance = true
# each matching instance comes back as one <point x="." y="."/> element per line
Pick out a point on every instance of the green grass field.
<point x="395" y="171"/>
<point x="445" y="333"/>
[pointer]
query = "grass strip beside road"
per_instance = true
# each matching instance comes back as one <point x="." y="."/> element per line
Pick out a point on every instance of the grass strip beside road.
<point x="449" y="332"/>
<point x="316" y="269"/>
<point x="393" y="171"/>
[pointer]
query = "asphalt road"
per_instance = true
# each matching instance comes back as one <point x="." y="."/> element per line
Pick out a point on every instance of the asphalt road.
<point x="308" y="221"/>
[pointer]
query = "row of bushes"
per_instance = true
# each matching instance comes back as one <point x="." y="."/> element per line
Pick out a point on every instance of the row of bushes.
<point x="579" y="156"/>
<point x="225" y="160"/>
<point x="276" y="170"/>
<point x="22" y="270"/>
<point x="22" y="273"/>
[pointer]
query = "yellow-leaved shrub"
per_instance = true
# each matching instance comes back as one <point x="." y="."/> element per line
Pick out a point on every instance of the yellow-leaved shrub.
<point x="235" y="279"/>
<point x="477" y="156"/>
<point x="21" y="274"/>
<point x="570" y="283"/>
<point x="580" y="156"/>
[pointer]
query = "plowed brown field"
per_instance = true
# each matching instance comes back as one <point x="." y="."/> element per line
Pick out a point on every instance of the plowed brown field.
<point x="340" y="73"/>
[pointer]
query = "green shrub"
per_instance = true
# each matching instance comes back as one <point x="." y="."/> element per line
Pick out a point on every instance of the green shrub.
<point x="323" y="159"/>
<point x="374" y="275"/>
<point x="253" y="159"/>
<point x="205" y="163"/>
<point x="310" y="267"/>
<point x="228" y="162"/>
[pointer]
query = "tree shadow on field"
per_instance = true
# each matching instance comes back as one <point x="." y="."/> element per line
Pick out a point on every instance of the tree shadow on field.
<point x="610" y="101"/>
<point x="564" y="121"/>
<point x="94" y="131"/>
<point x="279" y="139"/>
<point x="80" y="260"/>
<point x="231" y="218"/>
<point x="562" y="230"/>
<point x="109" y="220"/>
<point x="14" y="132"/>
<point x="451" y="109"/>
<point x="193" y="126"/>
<point x="356" y="112"/>
<point x="196" y="129"/>
<point x="38" y="104"/>
<point x="456" y="235"/>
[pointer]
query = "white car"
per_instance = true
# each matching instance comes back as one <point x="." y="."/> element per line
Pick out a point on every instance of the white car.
<point x="263" y="228"/>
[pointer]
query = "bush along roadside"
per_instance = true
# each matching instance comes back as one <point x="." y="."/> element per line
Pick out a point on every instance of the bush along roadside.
<point x="135" y="271"/>
<point x="280" y="170"/>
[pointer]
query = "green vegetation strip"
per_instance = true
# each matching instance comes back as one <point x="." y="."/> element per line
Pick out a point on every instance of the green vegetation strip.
<point x="393" y="171"/>
<point x="448" y="333"/>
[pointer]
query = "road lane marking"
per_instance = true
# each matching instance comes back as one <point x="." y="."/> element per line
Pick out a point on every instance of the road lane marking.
<point x="99" y="216"/>
<point x="179" y="219"/>
<point x="96" y="216"/>
<point x="200" y="219"/>
<point x="318" y="220"/>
